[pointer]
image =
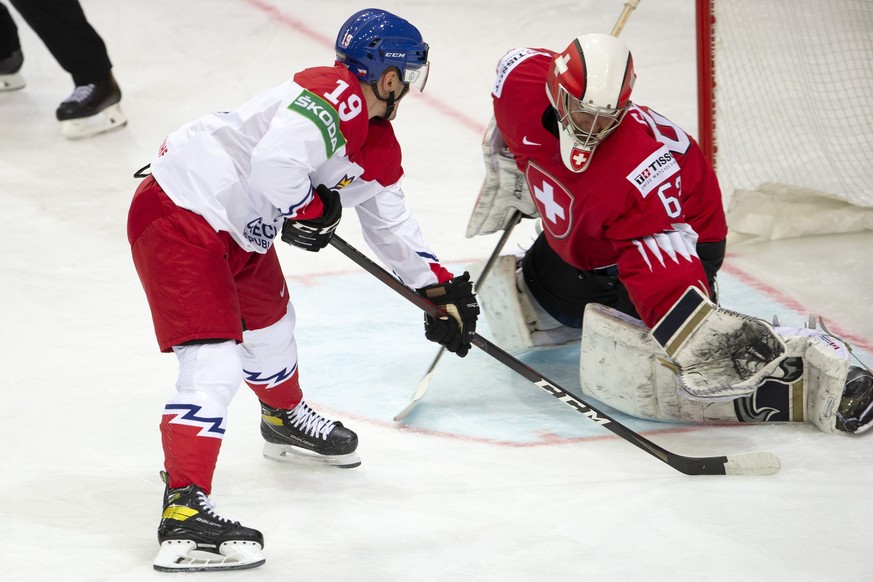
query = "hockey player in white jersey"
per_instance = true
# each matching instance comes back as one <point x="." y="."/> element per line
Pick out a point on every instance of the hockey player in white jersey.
<point x="202" y="227"/>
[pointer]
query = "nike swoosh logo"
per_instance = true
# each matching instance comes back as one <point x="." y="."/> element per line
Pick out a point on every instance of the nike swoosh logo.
<point x="282" y="292"/>
<point x="526" y="141"/>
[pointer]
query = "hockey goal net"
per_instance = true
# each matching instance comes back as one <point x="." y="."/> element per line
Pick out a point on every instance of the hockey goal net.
<point x="785" y="90"/>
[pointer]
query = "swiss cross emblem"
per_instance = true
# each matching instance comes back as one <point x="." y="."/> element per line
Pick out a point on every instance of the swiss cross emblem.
<point x="554" y="202"/>
<point x="561" y="64"/>
<point x="579" y="159"/>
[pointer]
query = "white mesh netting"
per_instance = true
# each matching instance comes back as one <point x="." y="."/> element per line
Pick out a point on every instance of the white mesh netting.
<point x="792" y="105"/>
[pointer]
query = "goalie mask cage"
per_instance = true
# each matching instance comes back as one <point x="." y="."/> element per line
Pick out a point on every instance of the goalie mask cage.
<point x="785" y="96"/>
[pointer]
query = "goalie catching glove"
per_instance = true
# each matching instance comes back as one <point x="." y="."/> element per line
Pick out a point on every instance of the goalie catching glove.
<point x="313" y="234"/>
<point x="456" y="329"/>
<point x="718" y="354"/>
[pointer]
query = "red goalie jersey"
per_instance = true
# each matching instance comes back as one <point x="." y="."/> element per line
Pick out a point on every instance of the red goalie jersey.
<point x="645" y="200"/>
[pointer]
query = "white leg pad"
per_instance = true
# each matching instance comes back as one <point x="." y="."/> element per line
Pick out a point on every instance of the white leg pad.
<point x="826" y="366"/>
<point x="516" y="320"/>
<point x="508" y="321"/>
<point x="621" y="365"/>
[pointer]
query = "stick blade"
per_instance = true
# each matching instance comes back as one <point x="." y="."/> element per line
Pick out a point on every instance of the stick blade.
<point x="419" y="394"/>
<point x="403" y="413"/>
<point x="754" y="463"/>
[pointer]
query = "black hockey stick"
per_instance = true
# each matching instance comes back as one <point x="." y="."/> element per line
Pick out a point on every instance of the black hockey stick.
<point x="424" y="383"/>
<point x="753" y="463"/>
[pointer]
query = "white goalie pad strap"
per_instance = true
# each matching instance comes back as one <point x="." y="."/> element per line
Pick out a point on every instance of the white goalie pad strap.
<point x="504" y="190"/>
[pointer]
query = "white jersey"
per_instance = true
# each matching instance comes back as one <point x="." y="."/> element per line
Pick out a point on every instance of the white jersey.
<point x="388" y="227"/>
<point x="247" y="170"/>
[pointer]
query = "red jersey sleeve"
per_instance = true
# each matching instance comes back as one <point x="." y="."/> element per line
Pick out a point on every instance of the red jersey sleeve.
<point x="381" y="155"/>
<point x="519" y="99"/>
<point x="701" y="195"/>
<point x="656" y="271"/>
<point x="656" y="246"/>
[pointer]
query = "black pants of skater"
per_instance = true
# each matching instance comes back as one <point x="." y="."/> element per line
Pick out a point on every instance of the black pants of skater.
<point x="63" y="28"/>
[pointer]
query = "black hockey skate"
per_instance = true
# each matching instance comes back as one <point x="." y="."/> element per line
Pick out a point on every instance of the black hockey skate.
<point x="10" y="78"/>
<point x="301" y="434"/>
<point x="194" y="538"/>
<point x="92" y="109"/>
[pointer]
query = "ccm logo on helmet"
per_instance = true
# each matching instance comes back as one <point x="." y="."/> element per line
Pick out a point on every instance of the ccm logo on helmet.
<point x="401" y="55"/>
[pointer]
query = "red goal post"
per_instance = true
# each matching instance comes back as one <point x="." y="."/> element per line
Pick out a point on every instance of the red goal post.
<point x="785" y="104"/>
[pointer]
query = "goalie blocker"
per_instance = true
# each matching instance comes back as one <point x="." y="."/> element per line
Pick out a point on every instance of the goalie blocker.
<point x="814" y="382"/>
<point x="504" y="190"/>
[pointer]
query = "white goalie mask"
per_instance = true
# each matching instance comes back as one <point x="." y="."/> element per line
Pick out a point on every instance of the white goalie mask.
<point x="589" y="84"/>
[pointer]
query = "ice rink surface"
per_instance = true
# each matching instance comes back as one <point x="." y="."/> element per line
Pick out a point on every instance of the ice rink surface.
<point x="490" y="478"/>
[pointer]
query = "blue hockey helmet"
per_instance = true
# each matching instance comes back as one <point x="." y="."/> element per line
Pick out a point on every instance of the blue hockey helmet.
<point x="373" y="40"/>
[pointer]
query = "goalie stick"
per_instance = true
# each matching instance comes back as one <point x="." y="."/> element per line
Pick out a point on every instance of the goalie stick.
<point x="629" y="7"/>
<point x="424" y="384"/>
<point x="753" y="463"/>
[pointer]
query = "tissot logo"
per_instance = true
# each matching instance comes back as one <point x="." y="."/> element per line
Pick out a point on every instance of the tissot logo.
<point x="507" y="63"/>
<point x="646" y="173"/>
<point x="653" y="171"/>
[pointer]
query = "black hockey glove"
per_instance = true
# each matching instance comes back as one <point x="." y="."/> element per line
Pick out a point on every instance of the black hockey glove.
<point x="314" y="234"/>
<point x="457" y="299"/>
